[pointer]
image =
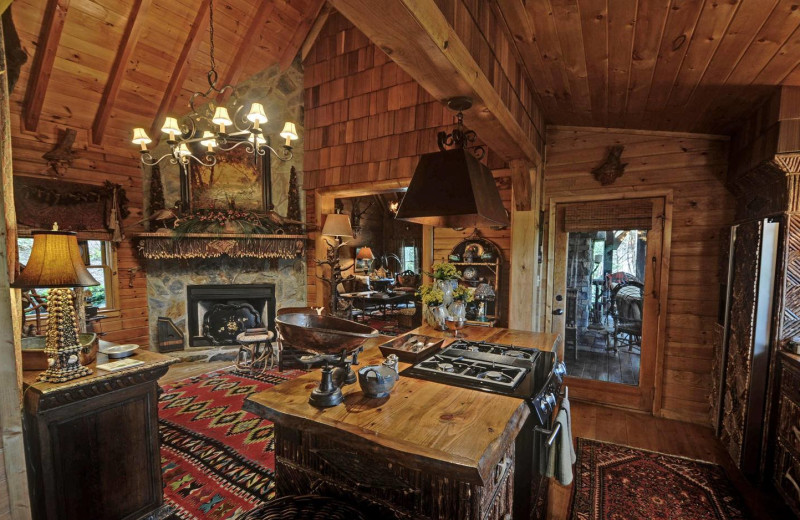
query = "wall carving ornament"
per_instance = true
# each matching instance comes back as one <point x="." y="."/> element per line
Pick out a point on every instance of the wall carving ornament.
<point x="612" y="168"/>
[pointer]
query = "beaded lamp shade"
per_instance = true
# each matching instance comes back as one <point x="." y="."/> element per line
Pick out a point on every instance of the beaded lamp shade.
<point x="55" y="261"/>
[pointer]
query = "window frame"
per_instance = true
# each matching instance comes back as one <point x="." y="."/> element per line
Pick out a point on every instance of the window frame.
<point x="110" y="280"/>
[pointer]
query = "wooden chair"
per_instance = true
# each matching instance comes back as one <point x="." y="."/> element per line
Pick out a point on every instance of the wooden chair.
<point x="289" y="355"/>
<point x="627" y="300"/>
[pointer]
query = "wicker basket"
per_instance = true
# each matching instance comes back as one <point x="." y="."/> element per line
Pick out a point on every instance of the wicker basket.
<point x="304" y="507"/>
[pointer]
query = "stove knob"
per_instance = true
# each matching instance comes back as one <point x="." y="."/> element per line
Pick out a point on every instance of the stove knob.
<point x="551" y="400"/>
<point x="560" y="369"/>
<point x="543" y="405"/>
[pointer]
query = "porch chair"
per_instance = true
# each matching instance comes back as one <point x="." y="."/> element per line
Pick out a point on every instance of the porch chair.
<point x="627" y="301"/>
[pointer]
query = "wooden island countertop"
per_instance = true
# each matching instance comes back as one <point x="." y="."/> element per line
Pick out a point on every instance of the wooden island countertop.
<point x="461" y="431"/>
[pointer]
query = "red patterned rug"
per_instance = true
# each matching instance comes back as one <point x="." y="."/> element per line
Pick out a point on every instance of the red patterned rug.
<point x="217" y="460"/>
<point x="621" y="483"/>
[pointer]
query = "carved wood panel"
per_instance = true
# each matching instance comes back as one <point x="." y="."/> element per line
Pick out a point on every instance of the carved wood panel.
<point x="740" y="342"/>
<point x="791" y="295"/>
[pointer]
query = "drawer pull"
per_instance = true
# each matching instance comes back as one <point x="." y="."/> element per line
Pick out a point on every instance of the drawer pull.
<point x="792" y="481"/>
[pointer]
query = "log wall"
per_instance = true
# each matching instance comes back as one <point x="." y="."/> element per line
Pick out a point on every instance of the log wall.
<point x="116" y="161"/>
<point x="694" y="168"/>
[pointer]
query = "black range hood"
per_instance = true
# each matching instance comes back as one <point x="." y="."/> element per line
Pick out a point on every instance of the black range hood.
<point x="451" y="188"/>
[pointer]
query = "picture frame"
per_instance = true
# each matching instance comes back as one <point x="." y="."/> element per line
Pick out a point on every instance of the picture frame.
<point x="239" y="177"/>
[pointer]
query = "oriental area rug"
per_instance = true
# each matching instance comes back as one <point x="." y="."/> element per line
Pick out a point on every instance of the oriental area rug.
<point x="217" y="460"/>
<point x="620" y="482"/>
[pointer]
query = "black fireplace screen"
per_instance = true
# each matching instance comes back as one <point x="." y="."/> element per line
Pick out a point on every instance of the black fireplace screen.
<point x="219" y="313"/>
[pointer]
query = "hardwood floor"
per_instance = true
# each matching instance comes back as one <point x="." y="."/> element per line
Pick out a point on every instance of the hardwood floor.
<point x="651" y="433"/>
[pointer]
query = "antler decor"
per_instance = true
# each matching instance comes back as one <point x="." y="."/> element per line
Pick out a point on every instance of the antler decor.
<point x="336" y="277"/>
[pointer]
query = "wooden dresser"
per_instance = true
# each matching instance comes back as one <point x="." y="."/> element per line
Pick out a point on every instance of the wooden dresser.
<point x="786" y="469"/>
<point x="92" y="443"/>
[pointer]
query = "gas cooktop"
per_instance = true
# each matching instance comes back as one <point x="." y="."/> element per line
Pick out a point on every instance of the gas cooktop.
<point x="489" y="367"/>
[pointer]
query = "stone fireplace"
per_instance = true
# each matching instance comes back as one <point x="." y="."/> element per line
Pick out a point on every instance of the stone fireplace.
<point x="263" y="285"/>
<point x="217" y="314"/>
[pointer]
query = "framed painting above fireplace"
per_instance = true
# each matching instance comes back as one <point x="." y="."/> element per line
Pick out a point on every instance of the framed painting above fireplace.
<point x="237" y="178"/>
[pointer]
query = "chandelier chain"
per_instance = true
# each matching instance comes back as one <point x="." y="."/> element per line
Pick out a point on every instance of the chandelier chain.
<point x="211" y="37"/>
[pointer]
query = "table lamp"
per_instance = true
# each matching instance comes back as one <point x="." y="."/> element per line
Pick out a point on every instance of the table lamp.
<point x="337" y="226"/>
<point x="56" y="264"/>
<point x="365" y="253"/>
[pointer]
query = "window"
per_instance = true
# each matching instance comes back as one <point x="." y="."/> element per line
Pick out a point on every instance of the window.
<point x="409" y="258"/>
<point x="97" y="255"/>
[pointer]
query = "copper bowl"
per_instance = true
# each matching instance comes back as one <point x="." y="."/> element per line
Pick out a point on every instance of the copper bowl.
<point x="323" y="335"/>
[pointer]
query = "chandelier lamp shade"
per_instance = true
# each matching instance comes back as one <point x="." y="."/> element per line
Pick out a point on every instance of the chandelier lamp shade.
<point x="210" y="128"/>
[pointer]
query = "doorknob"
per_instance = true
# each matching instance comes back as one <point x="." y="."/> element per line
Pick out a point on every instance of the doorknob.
<point x="558" y="312"/>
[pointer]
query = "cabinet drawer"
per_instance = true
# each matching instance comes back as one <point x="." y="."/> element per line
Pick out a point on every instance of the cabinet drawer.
<point x="787" y="477"/>
<point x="789" y="424"/>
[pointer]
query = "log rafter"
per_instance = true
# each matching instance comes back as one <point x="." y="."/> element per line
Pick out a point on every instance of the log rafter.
<point x="178" y="75"/>
<point x="129" y="39"/>
<point x="417" y="36"/>
<point x="55" y="15"/>
<point x="300" y="34"/>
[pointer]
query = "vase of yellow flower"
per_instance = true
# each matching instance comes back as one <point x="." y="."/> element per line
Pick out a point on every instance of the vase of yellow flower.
<point x="461" y="297"/>
<point x="435" y="312"/>
<point x="445" y="278"/>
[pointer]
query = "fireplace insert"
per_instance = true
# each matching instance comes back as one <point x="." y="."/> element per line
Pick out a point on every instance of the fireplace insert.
<point x="219" y="313"/>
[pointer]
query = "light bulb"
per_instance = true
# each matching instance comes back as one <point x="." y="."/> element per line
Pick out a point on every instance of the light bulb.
<point x="209" y="141"/>
<point x="221" y="118"/>
<point x="257" y="115"/>
<point x="289" y="133"/>
<point x="171" y="127"/>
<point x="140" y="137"/>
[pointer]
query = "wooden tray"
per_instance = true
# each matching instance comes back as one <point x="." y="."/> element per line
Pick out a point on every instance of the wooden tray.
<point x="405" y="353"/>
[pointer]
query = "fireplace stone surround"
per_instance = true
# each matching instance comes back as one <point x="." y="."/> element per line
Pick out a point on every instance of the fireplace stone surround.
<point x="168" y="282"/>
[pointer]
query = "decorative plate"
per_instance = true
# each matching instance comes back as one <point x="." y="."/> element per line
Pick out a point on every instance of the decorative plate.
<point x="470" y="273"/>
<point x="473" y="249"/>
<point x="119" y="351"/>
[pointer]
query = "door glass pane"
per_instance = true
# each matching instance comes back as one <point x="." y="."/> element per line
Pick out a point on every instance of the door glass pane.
<point x="605" y="304"/>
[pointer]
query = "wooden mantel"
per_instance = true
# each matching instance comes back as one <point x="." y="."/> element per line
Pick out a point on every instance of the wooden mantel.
<point x="170" y="246"/>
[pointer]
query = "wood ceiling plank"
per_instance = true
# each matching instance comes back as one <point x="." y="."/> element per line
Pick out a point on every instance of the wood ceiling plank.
<point x="678" y="32"/>
<point x="547" y="41"/>
<point x="179" y="72"/>
<point x="621" y="28"/>
<point x="711" y="27"/>
<point x="417" y="36"/>
<point x="747" y="21"/>
<point x="257" y="20"/>
<point x="783" y="63"/>
<point x="650" y="21"/>
<point x="570" y="37"/>
<point x="594" y="24"/>
<point x="516" y="16"/>
<point x="130" y="37"/>
<point x="300" y="33"/>
<point x="55" y="16"/>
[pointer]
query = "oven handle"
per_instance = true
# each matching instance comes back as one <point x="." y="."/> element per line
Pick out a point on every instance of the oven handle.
<point x="552" y="434"/>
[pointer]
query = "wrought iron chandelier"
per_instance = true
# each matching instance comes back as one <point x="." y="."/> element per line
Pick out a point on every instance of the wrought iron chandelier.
<point x="205" y="132"/>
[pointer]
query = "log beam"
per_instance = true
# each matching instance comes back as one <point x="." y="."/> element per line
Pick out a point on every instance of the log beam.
<point x="525" y="229"/>
<point x="55" y="14"/>
<point x="299" y="36"/>
<point x="129" y="38"/>
<point x="313" y="34"/>
<point x="178" y="76"/>
<point x="522" y="184"/>
<point x="416" y="35"/>
<point x="249" y="40"/>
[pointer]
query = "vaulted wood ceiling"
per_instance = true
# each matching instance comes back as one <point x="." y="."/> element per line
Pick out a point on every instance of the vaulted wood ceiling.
<point x="110" y="65"/>
<point x="682" y="65"/>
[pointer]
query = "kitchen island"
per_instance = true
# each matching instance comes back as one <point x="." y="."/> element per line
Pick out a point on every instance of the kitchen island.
<point x="428" y="450"/>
